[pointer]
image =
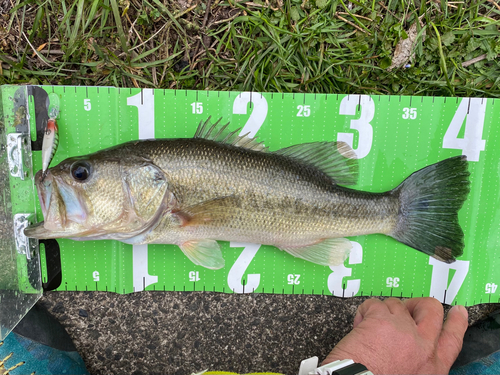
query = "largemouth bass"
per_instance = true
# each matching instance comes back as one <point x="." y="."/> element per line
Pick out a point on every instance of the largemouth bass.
<point x="221" y="186"/>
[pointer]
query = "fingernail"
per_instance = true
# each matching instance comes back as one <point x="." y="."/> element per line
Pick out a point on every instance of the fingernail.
<point x="462" y="310"/>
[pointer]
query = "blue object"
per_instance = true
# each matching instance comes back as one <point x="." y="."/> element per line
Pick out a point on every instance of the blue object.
<point x="20" y="355"/>
<point x="484" y="366"/>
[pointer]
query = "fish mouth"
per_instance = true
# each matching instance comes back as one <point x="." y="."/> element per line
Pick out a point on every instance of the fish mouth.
<point x="63" y="209"/>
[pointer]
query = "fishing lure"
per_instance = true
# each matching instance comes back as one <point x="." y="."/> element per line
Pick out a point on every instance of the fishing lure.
<point x="49" y="144"/>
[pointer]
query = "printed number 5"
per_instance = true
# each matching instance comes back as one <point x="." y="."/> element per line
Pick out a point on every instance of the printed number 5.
<point x="86" y="104"/>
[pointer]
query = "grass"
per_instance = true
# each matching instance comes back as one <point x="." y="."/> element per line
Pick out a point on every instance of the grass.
<point x="327" y="46"/>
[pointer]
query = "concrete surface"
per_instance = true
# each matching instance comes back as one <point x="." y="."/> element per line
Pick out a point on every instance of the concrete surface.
<point x="183" y="333"/>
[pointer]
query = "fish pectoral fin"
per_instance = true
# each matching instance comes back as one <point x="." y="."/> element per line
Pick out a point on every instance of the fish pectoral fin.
<point x="213" y="210"/>
<point x="328" y="252"/>
<point x="204" y="253"/>
<point x="335" y="159"/>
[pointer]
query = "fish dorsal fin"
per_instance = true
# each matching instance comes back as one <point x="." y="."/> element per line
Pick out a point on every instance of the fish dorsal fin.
<point x="336" y="159"/>
<point x="220" y="133"/>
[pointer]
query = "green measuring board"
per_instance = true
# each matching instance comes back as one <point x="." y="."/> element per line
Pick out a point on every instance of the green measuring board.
<point x="393" y="136"/>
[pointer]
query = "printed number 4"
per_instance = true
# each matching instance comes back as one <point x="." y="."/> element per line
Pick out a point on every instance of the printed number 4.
<point x="473" y="111"/>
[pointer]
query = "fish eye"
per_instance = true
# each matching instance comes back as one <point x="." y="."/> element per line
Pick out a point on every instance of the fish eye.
<point x="80" y="171"/>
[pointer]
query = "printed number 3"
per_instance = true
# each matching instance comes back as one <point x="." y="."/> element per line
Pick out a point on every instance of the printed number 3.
<point x="348" y="106"/>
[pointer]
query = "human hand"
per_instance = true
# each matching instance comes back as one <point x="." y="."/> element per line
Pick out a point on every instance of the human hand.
<point x="404" y="337"/>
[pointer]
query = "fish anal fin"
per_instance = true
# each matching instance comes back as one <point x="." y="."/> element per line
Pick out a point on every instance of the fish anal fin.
<point x="219" y="132"/>
<point x="335" y="159"/>
<point x="217" y="209"/>
<point x="327" y="252"/>
<point x="205" y="253"/>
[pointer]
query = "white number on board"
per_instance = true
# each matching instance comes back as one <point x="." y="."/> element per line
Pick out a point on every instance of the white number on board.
<point x="197" y="108"/>
<point x="95" y="275"/>
<point x="293" y="279"/>
<point x="304" y="111"/>
<point x="348" y="106"/>
<point x="335" y="279"/>
<point x="409" y="113"/>
<point x="259" y="111"/>
<point x="439" y="279"/>
<point x="87" y="105"/>
<point x="473" y="111"/>
<point x="145" y="104"/>
<point x="491" y="288"/>
<point x="194" y="276"/>
<point x="239" y="268"/>
<point x="392" y="282"/>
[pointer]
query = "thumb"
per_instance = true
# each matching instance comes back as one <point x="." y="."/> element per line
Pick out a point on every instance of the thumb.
<point x="452" y="335"/>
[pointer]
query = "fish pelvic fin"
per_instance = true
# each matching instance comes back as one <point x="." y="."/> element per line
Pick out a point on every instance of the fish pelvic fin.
<point x="219" y="132"/>
<point x="429" y="203"/>
<point x="335" y="159"/>
<point x="205" y="253"/>
<point x="328" y="252"/>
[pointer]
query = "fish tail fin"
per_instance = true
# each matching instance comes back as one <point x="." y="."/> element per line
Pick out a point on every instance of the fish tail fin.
<point x="428" y="213"/>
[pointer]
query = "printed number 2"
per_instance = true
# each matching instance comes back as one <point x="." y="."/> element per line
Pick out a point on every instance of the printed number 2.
<point x="473" y="111"/>
<point x="259" y="111"/>
<point x="348" y="106"/>
<point x="239" y="268"/>
<point x="87" y="105"/>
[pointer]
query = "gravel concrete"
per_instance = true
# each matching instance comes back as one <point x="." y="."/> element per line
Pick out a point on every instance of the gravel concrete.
<point x="183" y="333"/>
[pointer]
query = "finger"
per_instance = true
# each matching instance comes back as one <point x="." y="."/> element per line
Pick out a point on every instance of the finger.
<point x="452" y="336"/>
<point x="422" y="309"/>
<point x="371" y="307"/>
<point x="358" y="318"/>
<point x="428" y="315"/>
<point x="395" y="306"/>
